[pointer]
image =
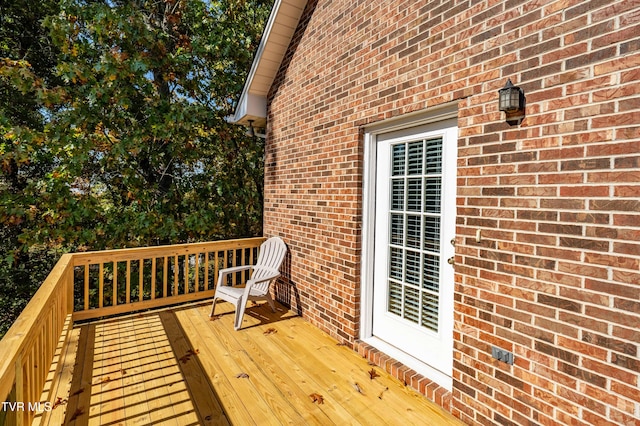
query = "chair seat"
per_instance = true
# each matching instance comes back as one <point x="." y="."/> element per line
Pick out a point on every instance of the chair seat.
<point x="237" y="291"/>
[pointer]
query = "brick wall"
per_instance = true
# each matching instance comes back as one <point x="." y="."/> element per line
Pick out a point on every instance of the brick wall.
<point x="556" y="276"/>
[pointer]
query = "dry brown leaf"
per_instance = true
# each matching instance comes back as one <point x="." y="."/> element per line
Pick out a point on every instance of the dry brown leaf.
<point x="105" y="379"/>
<point x="242" y="376"/>
<point x="316" y="397"/>
<point x="383" y="391"/>
<point x="123" y="371"/>
<point x="59" y="401"/>
<point x="341" y="344"/>
<point x="357" y="387"/>
<point x="214" y="318"/>
<point x="187" y="357"/>
<point x="270" y="331"/>
<point x="373" y="374"/>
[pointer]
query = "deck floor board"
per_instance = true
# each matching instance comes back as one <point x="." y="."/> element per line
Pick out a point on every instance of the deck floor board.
<point x="179" y="367"/>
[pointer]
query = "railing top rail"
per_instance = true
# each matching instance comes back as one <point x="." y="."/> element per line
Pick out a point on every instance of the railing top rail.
<point x="164" y="250"/>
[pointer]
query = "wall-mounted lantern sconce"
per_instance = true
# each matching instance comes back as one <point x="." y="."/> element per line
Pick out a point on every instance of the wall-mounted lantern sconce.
<point x="512" y="102"/>
<point x="252" y="131"/>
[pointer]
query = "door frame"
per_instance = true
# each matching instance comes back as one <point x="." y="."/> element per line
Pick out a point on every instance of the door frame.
<point x="405" y="122"/>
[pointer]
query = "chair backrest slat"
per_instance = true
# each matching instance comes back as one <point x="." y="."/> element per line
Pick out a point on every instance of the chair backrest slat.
<point x="272" y="253"/>
<point x="270" y="258"/>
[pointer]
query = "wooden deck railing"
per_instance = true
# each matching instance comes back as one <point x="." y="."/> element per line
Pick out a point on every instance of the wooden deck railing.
<point x="120" y="281"/>
<point x="97" y="284"/>
<point x="26" y="351"/>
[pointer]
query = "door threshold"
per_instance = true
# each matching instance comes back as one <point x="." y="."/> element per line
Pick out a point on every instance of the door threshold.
<point x="415" y="364"/>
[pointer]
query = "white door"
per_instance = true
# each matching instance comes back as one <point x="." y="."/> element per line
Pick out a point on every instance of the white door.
<point x="414" y="231"/>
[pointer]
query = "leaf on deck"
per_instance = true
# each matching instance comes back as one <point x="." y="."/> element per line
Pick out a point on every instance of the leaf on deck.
<point x="270" y="331"/>
<point x="373" y="374"/>
<point x="316" y="397"/>
<point x="242" y="376"/>
<point x="187" y="357"/>
<point x="357" y="387"/>
<point x="59" y="401"/>
<point x="214" y="318"/>
<point x="383" y="391"/>
<point x="105" y="380"/>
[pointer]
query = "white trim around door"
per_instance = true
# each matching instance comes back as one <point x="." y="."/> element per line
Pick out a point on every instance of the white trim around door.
<point x="408" y="230"/>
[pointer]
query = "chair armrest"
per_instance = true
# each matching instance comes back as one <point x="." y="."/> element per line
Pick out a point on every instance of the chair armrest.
<point x="268" y="277"/>
<point x="235" y="269"/>
<point x="255" y="281"/>
<point x="222" y="273"/>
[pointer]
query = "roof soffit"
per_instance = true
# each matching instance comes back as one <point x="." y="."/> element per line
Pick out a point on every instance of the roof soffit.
<point x="276" y="38"/>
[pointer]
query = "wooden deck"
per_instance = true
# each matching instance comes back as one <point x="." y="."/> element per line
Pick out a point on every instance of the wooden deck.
<point x="178" y="367"/>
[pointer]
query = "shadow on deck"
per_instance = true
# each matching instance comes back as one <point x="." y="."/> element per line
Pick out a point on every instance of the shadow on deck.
<point x="178" y="366"/>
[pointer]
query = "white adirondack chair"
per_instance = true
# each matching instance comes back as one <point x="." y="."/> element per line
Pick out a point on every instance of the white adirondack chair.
<point x="266" y="269"/>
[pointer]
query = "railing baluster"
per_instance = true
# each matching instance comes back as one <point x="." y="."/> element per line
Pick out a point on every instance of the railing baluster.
<point x="128" y="283"/>
<point x="115" y="284"/>
<point x="165" y="277"/>
<point x="21" y="386"/>
<point x="101" y="285"/>
<point x="140" y="279"/>
<point x="153" y="278"/>
<point x="196" y="274"/>
<point x="86" y="287"/>
<point x="216" y="268"/>
<point x="206" y="270"/>
<point x="234" y="253"/>
<point x="186" y="273"/>
<point x="175" y="275"/>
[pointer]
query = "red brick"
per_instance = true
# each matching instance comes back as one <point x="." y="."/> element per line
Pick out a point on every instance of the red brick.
<point x="555" y="197"/>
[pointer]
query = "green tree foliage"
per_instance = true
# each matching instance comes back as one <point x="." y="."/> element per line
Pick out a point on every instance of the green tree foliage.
<point x="121" y="138"/>
<point x="22" y="38"/>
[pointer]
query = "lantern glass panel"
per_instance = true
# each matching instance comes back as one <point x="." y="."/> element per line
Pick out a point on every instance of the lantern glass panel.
<point x="509" y="99"/>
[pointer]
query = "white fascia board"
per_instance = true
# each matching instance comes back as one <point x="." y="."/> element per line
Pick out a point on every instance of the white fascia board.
<point x="283" y="20"/>
<point x="253" y="107"/>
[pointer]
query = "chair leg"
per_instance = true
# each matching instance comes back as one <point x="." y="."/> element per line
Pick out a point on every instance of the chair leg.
<point x="213" y="306"/>
<point x="270" y="300"/>
<point x="241" y="304"/>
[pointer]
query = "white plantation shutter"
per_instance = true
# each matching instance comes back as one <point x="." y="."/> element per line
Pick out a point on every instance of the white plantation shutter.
<point x="414" y="238"/>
